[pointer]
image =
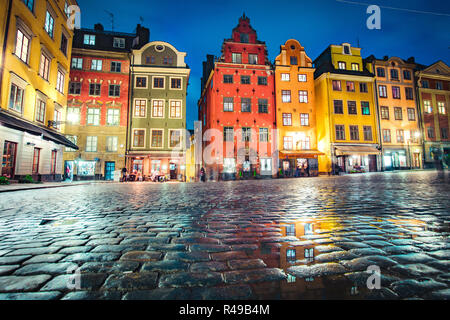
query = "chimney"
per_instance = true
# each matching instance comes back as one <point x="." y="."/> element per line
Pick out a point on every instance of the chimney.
<point x="143" y="34"/>
<point x="411" y="60"/>
<point x="98" y="27"/>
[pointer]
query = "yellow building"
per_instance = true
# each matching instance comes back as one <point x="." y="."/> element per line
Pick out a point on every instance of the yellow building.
<point x="296" y="114"/>
<point x="345" y="110"/>
<point x="34" y="83"/>
<point x="400" y="136"/>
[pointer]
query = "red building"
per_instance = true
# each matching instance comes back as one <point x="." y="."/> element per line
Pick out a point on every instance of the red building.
<point x="237" y="108"/>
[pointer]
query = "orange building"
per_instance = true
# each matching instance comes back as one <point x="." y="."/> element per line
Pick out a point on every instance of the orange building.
<point x="397" y="112"/>
<point x="295" y="111"/>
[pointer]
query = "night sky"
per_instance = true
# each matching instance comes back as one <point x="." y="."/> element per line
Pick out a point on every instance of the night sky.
<point x="199" y="27"/>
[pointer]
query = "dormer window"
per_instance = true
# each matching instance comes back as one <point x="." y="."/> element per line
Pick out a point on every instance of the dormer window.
<point x="294" y="61"/>
<point x="346" y="49"/>
<point x="244" y="37"/>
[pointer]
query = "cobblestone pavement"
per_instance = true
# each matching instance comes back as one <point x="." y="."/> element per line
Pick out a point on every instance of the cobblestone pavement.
<point x="307" y="238"/>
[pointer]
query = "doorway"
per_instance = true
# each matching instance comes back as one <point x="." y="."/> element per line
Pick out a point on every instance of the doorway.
<point x="110" y="167"/>
<point x="173" y="171"/>
<point x="9" y="159"/>
<point x="372" y="163"/>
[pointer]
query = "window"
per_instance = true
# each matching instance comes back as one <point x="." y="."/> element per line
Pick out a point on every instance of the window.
<point x="73" y="115"/>
<point x="72" y="139"/>
<point x="60" y="81"/>
<point x="93" y="116"/>
<point x="406" y="74"/>
<point x="347" y="49"/>
<point x="111" y="144"/>
<point x="355" y="66"/>
<point x="94" y="89"/>
<point x="340" y="132"/>
<point x="444" y="133"/>
<point x="150" y="60"/>
<point x="141" y="82"/>
<point x="114" y="90"/>
<point x="158" y="82"/>
<point x="350" y="86"/>
<point x="263" y="106"/>
<point x="64" y="44"/>
<point x="36" y="158"/>
<point x="338" y="107"/>
<point x="49" y="24"/>
<point x="441" y="107"/>
<point x="138" y="138"/>
<point x="57" y="118"/>
<point x="40" y="111"/>
<point x="425" y="84"/>
<point x="427" y="106"/>
<point x="246" y="105"/>
<point x="400" y="136"/>
<point x="309" y="256"/>
<point x="290" y="255"/>
<point x="140" y="108"/>
<point x="227" y="78"/>
<point x="262" y="81"/>
<point x="44" y="66"/>
<point x="430" y="132"/>
<point x="363" y="87"/>
<point x="113" y="117"/>
<point x="385" y="113"/>
<point x="394" y="74"/>
<point x="304" y="119"/>
<point x="290" y="230"/>
<point x="302" y="78"/>
<point x="175" y="138"/>
<point x="439" y="85"/>
<point x="175" y="83"/>
<point x="286" y="96"/>
<point x="342" y="65"/>
<point x="236" y="57"/>
<point x="411" y="114"/>
<point x="22" y="46"/>
<point x="116" y="66"/>
<point x="175" y="109"/>
<point x="396" y="92"/>
<point x="381" y="72"/>
<point x="246" y="134"/>
<point x="157" y="138"/>
<point x="29" y="4"/>
<point x="293" y="61"/>
<point x="365" y="109"/>
<point x="386" y="135"/>
<point x="367" y="133"/>
<point x="244" y="37"/>
<point x="96" y="65"/>
<point x="303" y="96"/>
<point x="304" y="143"/>
<point x="253" y="59"/>
<point x="158" y="109"/>
<point x="77" y="63"/>
<point x="168" y="60"/>
<point x="354" y="133"/>
<point x="398" y="113"/>
<point x="409" y="93"/>
<point x="228" y="134"/>
<point x="245" y="79"/>
<point x="352" y="107"/>
<point x="285" y="77"/>
<point x="91" y="144"/>
<point x="263" y="135"/>
<point x="228" y="104"/>
<point x="119" y="43"/>
<point x="89" y="39"/>
<point x="74" y="87"/>
<point x="382" y="91"/>
<point x="337" y="85"/>
<point x="287" y="119"/>
<point x="287" y="143"/>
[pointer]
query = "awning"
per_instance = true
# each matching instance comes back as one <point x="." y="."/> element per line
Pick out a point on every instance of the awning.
<point x="300" y="154"/>
<point x="47" y="134"/>
<point x="353" y="150"/>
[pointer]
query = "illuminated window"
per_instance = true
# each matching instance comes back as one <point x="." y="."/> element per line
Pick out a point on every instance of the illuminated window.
<point x="175" y="109"/>
<point x="287" y="143"/>
<point x="140" y="108"/>
<point x="337" y="85"/>
<point x="287" y="119"/>
<point x="303" y="96"/>
<point x="286" y="96"/>
<point x="158" y="109"/>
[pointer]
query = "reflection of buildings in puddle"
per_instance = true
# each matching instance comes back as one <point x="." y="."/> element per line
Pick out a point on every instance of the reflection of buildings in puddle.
<point x="410" y="225"/>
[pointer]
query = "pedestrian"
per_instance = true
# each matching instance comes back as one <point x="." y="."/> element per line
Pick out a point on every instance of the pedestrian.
<point x="202" y="175"/>
<point x="307" y="170"/>
<point x="124" y="174"/>
<point x="297" y="172"/>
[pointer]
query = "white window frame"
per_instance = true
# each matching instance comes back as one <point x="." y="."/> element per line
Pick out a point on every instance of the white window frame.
<point x="98" y="63"/>
<point x="145" y="138"/>
<point x="170" y="108"/>
<point x="162" y="138"/>
<point x="91" y="39"/>
<point x="95" y="115"/>
<point x="135" y="82"/>
<point x="119" y="41"/>
<point x="113" y="115"/>
<point x="285" y="77"/>
<point x="302" y="78"/>
<point x="163" y="108"/>
<point x="134" y="108"/>
<point x="89" y="144"/>
<point x="164" y="82"/>
<point x="180" y="145"/>
<point x="181" y="79"/>
<point x="115" y="140"/>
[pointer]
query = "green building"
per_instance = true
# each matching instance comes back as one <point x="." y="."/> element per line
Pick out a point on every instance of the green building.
<point x="157" y="115"/>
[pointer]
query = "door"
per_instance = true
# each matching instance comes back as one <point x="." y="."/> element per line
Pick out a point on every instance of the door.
<point x="9" y="159"/>
<point x="372" y="163"/>
<point x="110" y="166"/>
<point x="68" y="165"/>
<point x="173" y="171"/>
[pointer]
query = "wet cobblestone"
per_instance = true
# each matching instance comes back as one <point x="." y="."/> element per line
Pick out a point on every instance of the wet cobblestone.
<point x="310" y="238"/>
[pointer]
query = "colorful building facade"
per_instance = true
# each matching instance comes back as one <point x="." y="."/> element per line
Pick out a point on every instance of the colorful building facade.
<point x="157" y="119"/>
<point x="237" y="109"/>
<point x="347" y="126"/>
<point x="400" y="136"/>
<point x="35" y="64"/>
<point x="98" y="102"/>
<point x="295" y="111"/>
<point x="433" y="95"/>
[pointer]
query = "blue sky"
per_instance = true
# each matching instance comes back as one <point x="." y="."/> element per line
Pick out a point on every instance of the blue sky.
<point x="199" y="27"/>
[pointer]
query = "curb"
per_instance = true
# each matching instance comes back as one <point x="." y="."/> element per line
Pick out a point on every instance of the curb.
<point x="48" y="187"/>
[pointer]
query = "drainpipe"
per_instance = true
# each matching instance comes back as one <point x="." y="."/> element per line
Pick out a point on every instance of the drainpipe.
<point x="5" y="40"/>
<point x="419" y="117"/>
<point x="130" y="104"/>
<point x="377" y="108"/>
